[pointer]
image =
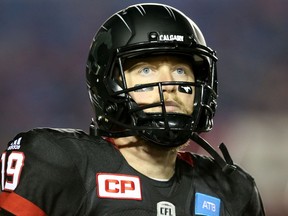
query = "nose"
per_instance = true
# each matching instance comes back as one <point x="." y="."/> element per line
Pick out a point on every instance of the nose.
<point x="168" y="88"/>
<point x="165" y="75"/>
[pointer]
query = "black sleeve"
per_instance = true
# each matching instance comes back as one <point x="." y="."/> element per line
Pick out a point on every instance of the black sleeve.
<point x="255" y="206"/>
<point x="237" y="190"/>
<point x="48" y="177"/>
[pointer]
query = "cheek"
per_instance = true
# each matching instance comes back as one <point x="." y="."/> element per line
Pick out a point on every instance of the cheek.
<point x="187" y="101"/>
<point x="132" y="80"/>
<point x="145" y="97"/>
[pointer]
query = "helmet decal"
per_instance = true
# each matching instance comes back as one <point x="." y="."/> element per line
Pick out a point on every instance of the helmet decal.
<point x="171" y="37"/>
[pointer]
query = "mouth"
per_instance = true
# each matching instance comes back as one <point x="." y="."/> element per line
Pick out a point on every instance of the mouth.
<point x="172" y="106"/>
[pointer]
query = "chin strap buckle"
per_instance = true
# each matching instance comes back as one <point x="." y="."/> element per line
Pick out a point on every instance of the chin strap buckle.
<point x="226" y="164"/>
<point x="92" y="128"/>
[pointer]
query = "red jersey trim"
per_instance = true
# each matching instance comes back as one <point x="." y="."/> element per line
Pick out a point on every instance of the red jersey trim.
<point x="186" y="156"/>
<point x="18" y="205"/>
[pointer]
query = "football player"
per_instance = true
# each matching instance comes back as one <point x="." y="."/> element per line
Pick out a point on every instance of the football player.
<point x="152" y="82"/>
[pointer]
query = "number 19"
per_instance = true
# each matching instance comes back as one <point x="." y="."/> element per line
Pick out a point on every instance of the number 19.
<point x="10" y="174"/>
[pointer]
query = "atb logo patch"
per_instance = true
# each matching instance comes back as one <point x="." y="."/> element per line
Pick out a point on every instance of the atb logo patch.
<point x="165" y="209"/>
<point x="206" y="205"/>
<point x="118" y="186"/>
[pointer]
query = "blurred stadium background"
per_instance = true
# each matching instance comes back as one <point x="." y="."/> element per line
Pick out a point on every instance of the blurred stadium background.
<point x="43" y="50"/>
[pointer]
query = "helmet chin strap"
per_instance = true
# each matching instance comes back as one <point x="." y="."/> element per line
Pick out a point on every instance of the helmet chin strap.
<point x="226" y="164"/>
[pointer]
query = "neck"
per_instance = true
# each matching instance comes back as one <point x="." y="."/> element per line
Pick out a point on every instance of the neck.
<point x="152" y="161"/>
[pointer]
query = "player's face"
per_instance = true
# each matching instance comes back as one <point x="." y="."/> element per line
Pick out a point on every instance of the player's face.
<point x="160" y="69"/>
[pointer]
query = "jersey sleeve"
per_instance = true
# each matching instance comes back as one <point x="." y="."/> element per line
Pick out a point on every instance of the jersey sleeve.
<point x="39" y="177"/>
<point x="254" y="202"/>
<point x="237" y="190"/>
<point x="255" y="206"/>
<point x="13" y="204"/>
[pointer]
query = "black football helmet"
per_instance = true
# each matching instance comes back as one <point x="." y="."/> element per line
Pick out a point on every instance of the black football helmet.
<point x="146" y="30"/>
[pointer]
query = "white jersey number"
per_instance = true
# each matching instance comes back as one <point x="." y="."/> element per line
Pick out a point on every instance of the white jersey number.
<point x="10" y="174"/>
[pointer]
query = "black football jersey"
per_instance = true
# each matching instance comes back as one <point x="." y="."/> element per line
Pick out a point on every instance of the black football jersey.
<point x="67" y="172"/>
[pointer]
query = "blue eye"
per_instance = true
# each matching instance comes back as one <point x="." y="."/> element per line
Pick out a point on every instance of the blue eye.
<point x="180" y="71"/>
<point x="145" y="70"/>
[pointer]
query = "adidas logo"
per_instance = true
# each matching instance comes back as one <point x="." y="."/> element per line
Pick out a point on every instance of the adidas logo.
<point x="15" y="145"/>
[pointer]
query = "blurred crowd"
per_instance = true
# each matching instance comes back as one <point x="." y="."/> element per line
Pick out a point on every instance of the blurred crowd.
<point x="43" y="51"/>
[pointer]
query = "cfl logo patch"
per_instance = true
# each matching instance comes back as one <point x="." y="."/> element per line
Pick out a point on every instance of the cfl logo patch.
<point x="117" y="186"/>
<point x="165" y="209"/>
